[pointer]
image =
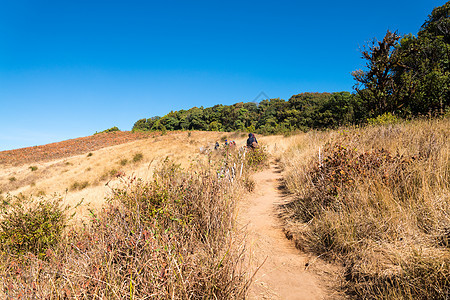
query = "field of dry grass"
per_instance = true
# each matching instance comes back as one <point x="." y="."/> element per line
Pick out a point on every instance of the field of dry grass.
<point x="374" y="199"/>
<point x="377" y="200"/>
<point x="83" y="176"/>
<point x="157" y="221"/>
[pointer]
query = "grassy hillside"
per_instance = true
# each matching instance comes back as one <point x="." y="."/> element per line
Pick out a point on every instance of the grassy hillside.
<point x="70" y="147"/>
<point x="373" y="199"/>
<point x="161" y="222"/>
<point x="376" y="199"/>
<point x="83" y="170"/>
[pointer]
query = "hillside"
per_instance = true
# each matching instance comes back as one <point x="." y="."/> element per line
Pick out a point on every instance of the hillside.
<point x="106" y="173"/>
<point x="70" y="147"/>
<point x="367" y="208"/>
<point x="79" y="168"/>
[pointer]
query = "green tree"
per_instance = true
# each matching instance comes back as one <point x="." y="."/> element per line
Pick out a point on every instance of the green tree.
<point x="376" y="85"/>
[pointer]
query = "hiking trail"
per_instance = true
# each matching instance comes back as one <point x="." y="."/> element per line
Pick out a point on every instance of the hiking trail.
<point x="283" y="273"/>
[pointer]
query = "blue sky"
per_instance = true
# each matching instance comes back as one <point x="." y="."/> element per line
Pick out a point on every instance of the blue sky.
<point x="70" y="68"/>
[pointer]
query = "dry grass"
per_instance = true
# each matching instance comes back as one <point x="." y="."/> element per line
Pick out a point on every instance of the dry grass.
<point x="168" y="236"/>
<point x="377" y="200"/>
<point x="63" y="176"/>
<point x="102" y="166"/>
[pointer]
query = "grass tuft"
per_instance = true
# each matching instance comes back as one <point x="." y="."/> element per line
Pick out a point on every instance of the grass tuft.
<point x="138" y="157"/>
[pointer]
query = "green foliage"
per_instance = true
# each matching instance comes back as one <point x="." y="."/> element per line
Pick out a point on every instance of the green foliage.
<point x="33" y="168"/>
<point x="271" y="116"/>
<point x="29" y="225"/>
<point x="257" y="158"/>
<point x="409" y="75"/>
<point x="405" y="76"/>
<point x="112" y="129"/>
<point x="386" y="118"/>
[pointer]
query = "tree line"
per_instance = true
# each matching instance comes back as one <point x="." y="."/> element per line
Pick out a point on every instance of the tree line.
<point x="405" y="76"/>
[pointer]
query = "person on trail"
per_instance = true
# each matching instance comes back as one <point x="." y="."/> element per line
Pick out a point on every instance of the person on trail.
<point x="252" y="143"/>
<point x="216" y="146"/>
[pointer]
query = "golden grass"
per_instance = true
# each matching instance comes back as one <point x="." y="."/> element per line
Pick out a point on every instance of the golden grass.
<point x="96" y="168"/>
<point x="171" y="236"/>
<point x="377" y="200"/>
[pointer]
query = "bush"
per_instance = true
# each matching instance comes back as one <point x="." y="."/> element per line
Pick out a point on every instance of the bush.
<point x="138" y="157"/>
<point x="33" y="168"/>
<point x="79" y="185"/>
<point x="29" y="225"/>
<point x="112" y="129"/>
<point x="257" y="158"/>
<point x="384" y="119"/>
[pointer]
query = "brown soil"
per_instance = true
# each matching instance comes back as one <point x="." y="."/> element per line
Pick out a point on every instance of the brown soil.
<point x="284" y="272"/>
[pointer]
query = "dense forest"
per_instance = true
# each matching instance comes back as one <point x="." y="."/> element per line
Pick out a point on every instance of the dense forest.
<point x="405" y="76"/>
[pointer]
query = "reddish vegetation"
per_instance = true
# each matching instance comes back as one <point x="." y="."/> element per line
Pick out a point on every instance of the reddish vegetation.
<point x="70" y="147"/>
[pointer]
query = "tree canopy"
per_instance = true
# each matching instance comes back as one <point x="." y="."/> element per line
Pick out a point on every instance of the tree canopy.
<point x="408" y="75"/>
<point x="404" y="76"/>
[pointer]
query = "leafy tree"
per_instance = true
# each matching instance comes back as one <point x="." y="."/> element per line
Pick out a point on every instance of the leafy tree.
<point x="408" y="75"/>
<point x="376" y="85"/>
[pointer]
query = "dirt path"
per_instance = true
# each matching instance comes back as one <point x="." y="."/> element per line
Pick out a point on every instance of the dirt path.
<point x="283" y="274"/>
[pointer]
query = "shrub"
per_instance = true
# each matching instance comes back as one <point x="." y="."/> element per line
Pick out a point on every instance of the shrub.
<point x="110" y="174"/>
<point x="386" y="118"/>
<point x="123" y="162"/>
<point x="257" y="158"/>
<point x="89" y="154"/>
<point x="12" y="179"/>
<point x="33" y="168"/>
<point x="79" y="185"/>
<point x="138" y="157"/>
<point x="32" y="226"/>
<point x="112" y="129"/>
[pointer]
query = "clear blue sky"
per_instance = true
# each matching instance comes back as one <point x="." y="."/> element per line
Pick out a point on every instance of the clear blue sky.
<point x="70" y="68"/>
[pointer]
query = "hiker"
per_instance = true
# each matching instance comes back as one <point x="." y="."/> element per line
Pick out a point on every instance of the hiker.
<point x="252" y="143"/>
<point x="216" y="146"/>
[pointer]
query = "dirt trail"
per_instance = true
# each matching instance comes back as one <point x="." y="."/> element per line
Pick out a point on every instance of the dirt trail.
<point x="283" y="275"/>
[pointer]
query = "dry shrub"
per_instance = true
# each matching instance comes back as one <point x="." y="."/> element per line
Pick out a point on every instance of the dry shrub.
<point x="257" y="158"/>
<point x="173" y="237"/>
<point x="77" y="185"/>
<point x="30" y="225"/>
<point x="377" y="200"/>
<point x="138" y="157"/>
